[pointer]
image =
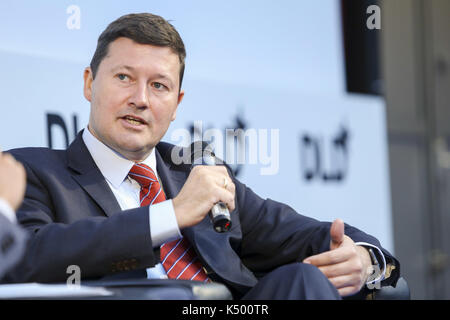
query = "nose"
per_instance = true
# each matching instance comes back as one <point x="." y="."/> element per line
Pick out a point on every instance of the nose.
<point x="139" y="97"/>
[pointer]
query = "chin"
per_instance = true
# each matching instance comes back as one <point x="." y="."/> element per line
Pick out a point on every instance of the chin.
<point x="139" y="150"/>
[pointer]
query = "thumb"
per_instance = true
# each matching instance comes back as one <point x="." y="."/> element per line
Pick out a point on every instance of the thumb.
<point x="336" y="233"/>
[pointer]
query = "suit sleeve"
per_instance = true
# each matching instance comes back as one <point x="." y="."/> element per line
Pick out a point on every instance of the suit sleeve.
<point x="99" y="245"/>
<point x="274" y="234"/>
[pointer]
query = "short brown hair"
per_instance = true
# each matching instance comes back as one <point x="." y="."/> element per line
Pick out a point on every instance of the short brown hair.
<point x="143" y="28"/>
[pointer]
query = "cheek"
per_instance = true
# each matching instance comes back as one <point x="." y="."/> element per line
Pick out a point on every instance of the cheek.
<point x="107" y="106"/>
<point x="103" y="117"/>
<point x="164" y="117"/>
<point x="108" y="96"/>
<point x="167" y="109"/>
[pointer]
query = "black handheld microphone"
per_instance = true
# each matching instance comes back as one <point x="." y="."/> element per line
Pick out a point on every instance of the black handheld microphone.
<point x="202" y="154"/>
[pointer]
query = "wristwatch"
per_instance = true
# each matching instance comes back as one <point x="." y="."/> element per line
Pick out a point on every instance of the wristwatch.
<point x="373" y="257"/>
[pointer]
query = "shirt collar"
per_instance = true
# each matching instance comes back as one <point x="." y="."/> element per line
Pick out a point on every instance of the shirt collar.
<point x="113" y="166"/>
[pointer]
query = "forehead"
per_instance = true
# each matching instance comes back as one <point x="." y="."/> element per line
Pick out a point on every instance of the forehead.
<point x="141" y="57"/>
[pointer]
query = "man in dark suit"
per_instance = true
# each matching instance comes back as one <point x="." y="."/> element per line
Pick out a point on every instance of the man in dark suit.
<point x="116" y="202"/>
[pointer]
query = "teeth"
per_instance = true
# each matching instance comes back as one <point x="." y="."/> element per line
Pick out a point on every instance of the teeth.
<point x="132" y="121"/>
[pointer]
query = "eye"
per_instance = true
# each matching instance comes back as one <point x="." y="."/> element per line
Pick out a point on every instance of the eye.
<point x="159" y="86"/>
<point x="122" y="77"/>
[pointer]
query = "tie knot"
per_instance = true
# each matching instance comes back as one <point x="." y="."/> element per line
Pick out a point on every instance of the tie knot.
<point x="143" y="174"/>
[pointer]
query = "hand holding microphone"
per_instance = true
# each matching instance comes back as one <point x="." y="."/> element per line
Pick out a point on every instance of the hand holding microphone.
<point x="219" y="214"/>
<point x="208" y="189"/>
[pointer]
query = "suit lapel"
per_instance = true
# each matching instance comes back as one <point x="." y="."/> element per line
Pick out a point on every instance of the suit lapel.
<point x="172" y="180"/>
<point x="89" y="177"/>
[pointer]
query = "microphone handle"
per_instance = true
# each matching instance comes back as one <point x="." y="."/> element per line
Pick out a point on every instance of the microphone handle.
<point x="220" y="217"/>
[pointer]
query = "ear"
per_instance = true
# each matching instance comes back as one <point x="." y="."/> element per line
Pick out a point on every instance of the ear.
<point x="88" y="79"/>
<point x="180" y="98"/>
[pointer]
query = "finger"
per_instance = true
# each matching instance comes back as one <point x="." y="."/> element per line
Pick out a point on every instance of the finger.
<point x="328" y="258"/>
<point x="343" y="281"/>
<point x="347" y="291"/>
<point x="336" y="270"/>
<point x="219" y="169"/>
<point x="336" y="233"/>
<point x="223" y="171"/>
<point x="226" y="183"/>
<point x="211" y="169"/>
<point x="227" y="197"/>
<point x="218" y="173"/>
<point x="347" y="284"/>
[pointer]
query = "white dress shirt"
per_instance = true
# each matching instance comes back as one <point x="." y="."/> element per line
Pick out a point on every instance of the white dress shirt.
<point x="115" y="168"/>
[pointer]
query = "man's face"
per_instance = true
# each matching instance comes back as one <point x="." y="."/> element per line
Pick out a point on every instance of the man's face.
<point x="134" y="96"/>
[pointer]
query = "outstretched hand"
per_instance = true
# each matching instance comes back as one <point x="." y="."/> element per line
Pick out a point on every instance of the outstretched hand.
<point x="346" y="265"/>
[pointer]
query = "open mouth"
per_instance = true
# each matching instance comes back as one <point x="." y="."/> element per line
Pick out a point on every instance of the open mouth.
<point x="134" y="120"/>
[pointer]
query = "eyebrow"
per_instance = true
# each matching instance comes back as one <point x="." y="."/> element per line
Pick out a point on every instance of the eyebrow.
<point x="115" y="69"/>
<point x="130" y="68"/>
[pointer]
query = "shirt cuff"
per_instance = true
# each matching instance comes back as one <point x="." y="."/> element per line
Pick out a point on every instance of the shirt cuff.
<point x="7" y="211"/>
<point x="163" y="223"/>
<point x="383" y="263"/>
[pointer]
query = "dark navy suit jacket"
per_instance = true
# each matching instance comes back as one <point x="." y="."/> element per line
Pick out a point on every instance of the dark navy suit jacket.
<point x="74" y="219"/>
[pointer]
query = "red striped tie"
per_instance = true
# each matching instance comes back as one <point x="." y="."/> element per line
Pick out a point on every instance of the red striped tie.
<point x="178" y="257"/>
